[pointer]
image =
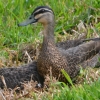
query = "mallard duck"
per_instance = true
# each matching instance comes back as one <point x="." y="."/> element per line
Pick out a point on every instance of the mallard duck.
<point x="55" y="57"/>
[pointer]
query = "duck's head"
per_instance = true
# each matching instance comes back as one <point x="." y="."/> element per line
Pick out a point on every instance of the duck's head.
<point x="41" y="14"/>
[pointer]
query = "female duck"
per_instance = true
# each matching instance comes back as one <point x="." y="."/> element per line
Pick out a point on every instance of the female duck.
<point x="54" y="57"/>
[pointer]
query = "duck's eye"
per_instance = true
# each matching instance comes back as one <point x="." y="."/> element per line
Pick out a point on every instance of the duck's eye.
<point x="30" y="17"/>
<point x="42" y="11"/>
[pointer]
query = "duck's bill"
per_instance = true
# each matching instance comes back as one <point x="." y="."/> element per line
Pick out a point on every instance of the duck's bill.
<point x="27" y="22"/>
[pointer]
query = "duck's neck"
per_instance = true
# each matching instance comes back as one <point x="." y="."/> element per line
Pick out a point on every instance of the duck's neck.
<point x="48" y="34"/>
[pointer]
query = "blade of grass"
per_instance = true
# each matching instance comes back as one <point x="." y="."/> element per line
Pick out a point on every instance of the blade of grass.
<point x="67" y="77"/>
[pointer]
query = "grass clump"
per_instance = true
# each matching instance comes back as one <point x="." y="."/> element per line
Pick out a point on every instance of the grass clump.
<point x="82" y="92"/>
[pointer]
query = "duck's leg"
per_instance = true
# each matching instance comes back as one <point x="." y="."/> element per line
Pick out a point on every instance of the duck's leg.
<point x="40" y="79"/>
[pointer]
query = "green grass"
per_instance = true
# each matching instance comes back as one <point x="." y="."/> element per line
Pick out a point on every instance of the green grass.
<point x="68" y="13"/>
<point x="82" y="92"/>
<point x="85" y="92"/>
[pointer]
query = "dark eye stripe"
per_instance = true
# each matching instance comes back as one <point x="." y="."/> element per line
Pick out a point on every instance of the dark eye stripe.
<point x="42" y="7"/>
<point x="41" y="11"/>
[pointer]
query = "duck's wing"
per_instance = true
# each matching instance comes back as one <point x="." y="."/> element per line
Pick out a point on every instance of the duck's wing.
<point x="92" y="62"/>
<point x="15" y="76"/>
<point x="73" y="43"/>
<point x="69" y="43"/>
<point x="81" y="53"/>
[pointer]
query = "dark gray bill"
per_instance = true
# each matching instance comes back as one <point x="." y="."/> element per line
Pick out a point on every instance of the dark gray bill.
<point x="27" y="22"/>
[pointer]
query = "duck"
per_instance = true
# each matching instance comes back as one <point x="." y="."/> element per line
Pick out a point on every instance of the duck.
<point x="12" y="77"/>
<point x="58" y="58"/>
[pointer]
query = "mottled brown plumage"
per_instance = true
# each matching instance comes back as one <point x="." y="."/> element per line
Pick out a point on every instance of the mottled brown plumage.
<point x="55" y="57"/>
<point x="50" y="56"/>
